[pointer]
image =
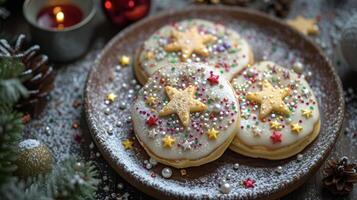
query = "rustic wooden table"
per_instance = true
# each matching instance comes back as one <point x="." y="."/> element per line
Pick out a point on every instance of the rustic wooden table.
<point x="54" y="126"/>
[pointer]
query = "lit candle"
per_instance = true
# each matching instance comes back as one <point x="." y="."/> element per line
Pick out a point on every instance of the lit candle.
<point x="59" y="16"/>
<point x="63" y="28"/>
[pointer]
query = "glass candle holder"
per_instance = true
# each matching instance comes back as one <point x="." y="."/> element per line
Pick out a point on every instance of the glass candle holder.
<point x="63" y="28"/>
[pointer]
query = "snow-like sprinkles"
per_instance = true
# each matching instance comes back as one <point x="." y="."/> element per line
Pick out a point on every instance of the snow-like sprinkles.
<point x="115" y="117"/>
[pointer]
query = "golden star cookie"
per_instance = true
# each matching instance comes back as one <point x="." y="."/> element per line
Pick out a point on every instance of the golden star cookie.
<point x="280" y="114"/>
<point x="194" y="118"/>
<point x="193" y="40"/>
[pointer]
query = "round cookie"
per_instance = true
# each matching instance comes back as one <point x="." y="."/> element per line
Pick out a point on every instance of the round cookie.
<point x="186" y="115"/>
<point x="193" y="40"/>
<point x="279" y="112"/>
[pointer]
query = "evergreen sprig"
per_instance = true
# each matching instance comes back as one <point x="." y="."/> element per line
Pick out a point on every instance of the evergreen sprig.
<point x="11" y="125"/>
<point x="10" y="133"/>
<point x="66" y="181"/>
<point x="72" y="180"/>
<point x="11" y="88"/>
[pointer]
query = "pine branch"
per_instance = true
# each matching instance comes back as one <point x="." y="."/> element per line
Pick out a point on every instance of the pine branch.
<point x="10" y="133"/>
<point x="70" y="181"/>
<point x="17" y="189"/>
<point x="11" y="88"/>
<point x="66" y="181"/>
<point x="74" y="182"/>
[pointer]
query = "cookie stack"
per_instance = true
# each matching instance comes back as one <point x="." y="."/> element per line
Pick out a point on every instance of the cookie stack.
<point x="202" y="93"/>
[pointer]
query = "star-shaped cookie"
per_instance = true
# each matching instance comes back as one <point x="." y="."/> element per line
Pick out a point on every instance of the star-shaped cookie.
<point x="182" y="102"/>
<point x="304" y="25"/>
<point x="190" y="41"/>
<point x="270" y="99"/>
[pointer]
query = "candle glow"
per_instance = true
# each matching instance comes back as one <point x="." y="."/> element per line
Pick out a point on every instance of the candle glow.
<point x="59" y="16"/>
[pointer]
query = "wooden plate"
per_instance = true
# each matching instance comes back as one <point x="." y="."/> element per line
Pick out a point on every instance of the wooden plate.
<point x="271" y="39"/>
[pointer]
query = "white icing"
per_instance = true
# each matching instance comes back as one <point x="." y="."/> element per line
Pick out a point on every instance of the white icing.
<point x="263" y="72"/>
<point x="158" y="40"/>
<point x="187" y="150"/>
<point x="29" y="144"/>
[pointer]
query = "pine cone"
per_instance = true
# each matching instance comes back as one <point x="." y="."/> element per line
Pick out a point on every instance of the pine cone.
<point x="339" y="176"/>
<point x="279" y="8"/>
<point x="38" y="75"/>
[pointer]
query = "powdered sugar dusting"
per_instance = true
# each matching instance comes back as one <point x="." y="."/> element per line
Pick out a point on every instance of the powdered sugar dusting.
<point x="267" y="44"/>
<point x="29" y="144"/>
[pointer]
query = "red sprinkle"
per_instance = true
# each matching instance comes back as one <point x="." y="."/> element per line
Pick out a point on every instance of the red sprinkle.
<point x="213" y="79"/>
<point x="152" y="121"/>
<point x="276" y="137"/>
<point x="249" y="183"/>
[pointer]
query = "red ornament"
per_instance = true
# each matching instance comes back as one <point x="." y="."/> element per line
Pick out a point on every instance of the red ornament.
<point x="276" y="137"/>
<point x="249" y="183"/>
<point x="125" y="12"/>
<point x="213" y="79"/>
<point x="152" y="121"/>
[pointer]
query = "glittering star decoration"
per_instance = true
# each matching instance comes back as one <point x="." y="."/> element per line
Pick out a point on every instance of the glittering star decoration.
<point x="190" y="41"/>
<point x="111" y="97"/>
<point x="124" y="60"/>
<point x="276" y="137"/>
<point x="151" y="101"/>
<point x="275" y="125"/>
<point x="304" y="25"/>
<point x="127" y="144"/>
<point x="213" y="79"/>
<point x="307" y="113"/>
<point x="257" y="132"/>
<point x="186" y="145"/>
<point x="296" y="128"/>
<point x="182" y="102"/>
<point x="168" y="141"/>
<point x="270" y="99"/>
<point x="212" y="134"/>
<point x="152" y="121"/>
<point x="249" y="183"/>
<point x="152" y="133"/>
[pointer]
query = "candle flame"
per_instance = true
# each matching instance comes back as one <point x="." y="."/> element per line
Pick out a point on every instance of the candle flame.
<point x="58" y="13"/>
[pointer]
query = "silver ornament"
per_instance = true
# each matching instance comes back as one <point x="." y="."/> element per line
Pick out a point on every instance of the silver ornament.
<point x="153" y="161"/>
<point x="166" y="172"/>
<point x="298" y="67"/>
<point x="122" y="105"/>
<point x="236" y="166"/>
<point x="348" y="42"/>
<point x="225" y="188"/>
<point x="148" y="166"/>
<point x="299" y="157"/>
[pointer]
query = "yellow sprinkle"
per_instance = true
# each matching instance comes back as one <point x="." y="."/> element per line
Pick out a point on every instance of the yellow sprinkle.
<point x="212" y="134"/>
<point x="127" y="144"/>
<point x="168" y="141"/>
<point x="124" y="60"/>
<point x="111" y="97"/>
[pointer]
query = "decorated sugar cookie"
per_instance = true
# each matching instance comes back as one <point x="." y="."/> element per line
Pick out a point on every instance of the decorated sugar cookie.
<point x="186" y="115"/>
<point x="194" y="41"/>
<point x="279" y="112"/>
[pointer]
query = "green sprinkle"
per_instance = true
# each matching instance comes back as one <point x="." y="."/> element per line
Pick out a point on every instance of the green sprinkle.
<point x="232" y="50"/>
